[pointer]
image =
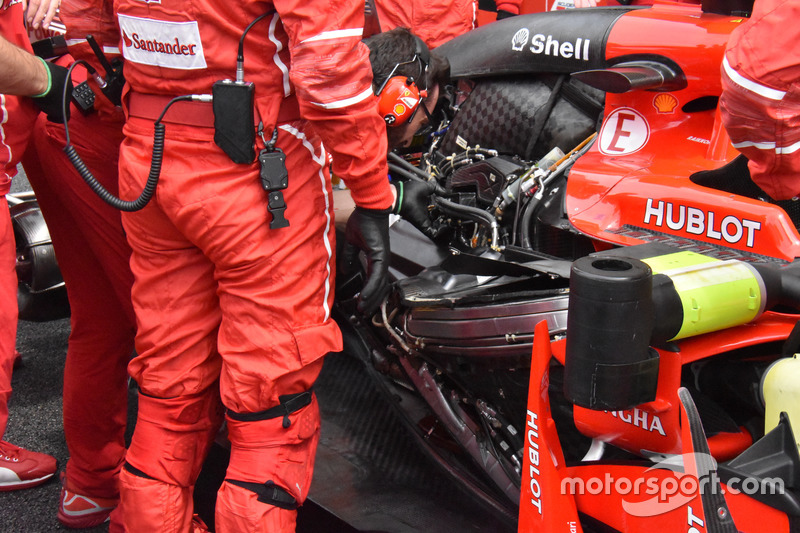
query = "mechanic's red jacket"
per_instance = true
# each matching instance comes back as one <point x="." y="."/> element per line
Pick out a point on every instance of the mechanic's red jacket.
<point x="285" y="58"/>
<point x="435" y="22"/>
<point x="765" y="47"/>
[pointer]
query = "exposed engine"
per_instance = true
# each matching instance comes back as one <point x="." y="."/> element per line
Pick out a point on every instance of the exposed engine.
<point x="459" y="325"/>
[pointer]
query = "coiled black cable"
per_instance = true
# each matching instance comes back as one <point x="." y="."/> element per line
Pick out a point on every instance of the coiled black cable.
<point x="155" y="164"/>
<point x="109" y="198"/>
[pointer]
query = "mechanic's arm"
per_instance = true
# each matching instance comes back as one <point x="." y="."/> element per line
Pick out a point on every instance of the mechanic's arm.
<point x="332" y="77"/>
<point x="24" y="74"/>
<point x="21" y="73"/>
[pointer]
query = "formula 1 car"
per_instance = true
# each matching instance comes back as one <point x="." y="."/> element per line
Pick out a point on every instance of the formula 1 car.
<point x="592" y="341"/>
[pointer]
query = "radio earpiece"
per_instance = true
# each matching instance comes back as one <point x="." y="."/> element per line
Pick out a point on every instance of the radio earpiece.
<point x="399" y="100"/>
<point x="400" y="96"/>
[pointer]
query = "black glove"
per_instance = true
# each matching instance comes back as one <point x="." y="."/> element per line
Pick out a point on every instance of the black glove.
<point x="368" y="230"/>
<point x="413" y="199"/>
<point x="50" y="100"/>
<point x="503" y="14"/>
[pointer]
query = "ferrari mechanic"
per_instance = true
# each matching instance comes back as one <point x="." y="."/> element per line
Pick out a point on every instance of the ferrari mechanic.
<point x="93" y="257"/>
<point x="22" y="74"/>
<point x="233" y="258"/>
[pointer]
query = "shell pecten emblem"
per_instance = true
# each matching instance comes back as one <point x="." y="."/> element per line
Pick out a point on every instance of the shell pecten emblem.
<point x="665" y="103"/>
<point x="399" y="109"/>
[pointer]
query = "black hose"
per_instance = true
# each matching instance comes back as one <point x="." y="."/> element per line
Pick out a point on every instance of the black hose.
<point x="525" y="222"/>
<point x="471" y="213"/>
<point x="401" y="171"/>
<point x="394" y="158"/>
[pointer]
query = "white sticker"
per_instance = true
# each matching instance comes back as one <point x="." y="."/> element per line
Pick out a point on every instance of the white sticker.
<point x="162" y="44"/>
<point x="562" y="4"/>
<point x="625" y="131"/>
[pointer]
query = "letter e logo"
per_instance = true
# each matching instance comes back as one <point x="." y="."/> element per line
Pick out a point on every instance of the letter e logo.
<point x="625" y="131"/>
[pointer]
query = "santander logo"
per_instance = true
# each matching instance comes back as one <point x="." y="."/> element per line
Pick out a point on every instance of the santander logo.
<point x="162" y="43"/>
<point x="161" y="47"/>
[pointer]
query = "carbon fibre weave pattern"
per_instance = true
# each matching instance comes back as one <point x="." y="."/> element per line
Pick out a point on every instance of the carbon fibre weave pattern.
<point x="501" y="114"/>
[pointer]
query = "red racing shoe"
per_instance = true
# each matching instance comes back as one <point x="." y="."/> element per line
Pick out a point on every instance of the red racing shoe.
<point x="22" y="469"/>
<point x="77" y="511"/>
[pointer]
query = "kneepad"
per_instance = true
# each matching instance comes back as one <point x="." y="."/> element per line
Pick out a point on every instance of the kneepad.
<point x="275" y="448"/>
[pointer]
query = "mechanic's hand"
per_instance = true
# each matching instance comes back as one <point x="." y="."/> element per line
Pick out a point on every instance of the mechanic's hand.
<point x="413" y="199"/>
<point x="40" y="13"/>
<point x="50" y="101"/>
<point x="503" y="14"/>
<point x="368" y="230"/>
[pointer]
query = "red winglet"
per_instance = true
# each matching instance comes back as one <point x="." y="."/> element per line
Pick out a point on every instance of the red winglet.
<point x="543" y="505"/>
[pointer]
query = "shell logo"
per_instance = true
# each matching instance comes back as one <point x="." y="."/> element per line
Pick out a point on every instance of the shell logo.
<point x="399" y="109"/>
<point x="665" y="103"/>
<point x="520" y="39"/>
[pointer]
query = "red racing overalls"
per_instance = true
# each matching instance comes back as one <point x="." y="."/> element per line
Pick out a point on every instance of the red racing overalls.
<point x="16" y="121"/>
<point x="93" y="256"/>
<point x="226" y="306"/>
<point x="434" y="22"/>
<point x="760" y="101"/>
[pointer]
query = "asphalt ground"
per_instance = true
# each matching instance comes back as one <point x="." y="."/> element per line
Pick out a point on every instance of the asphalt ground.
<point x="35" y="423"/>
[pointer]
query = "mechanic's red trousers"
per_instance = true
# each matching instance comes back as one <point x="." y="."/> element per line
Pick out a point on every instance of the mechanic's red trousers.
<point x="93" y="256"/>
<point x="8" y="309"/>
<point x="266" y="451"/>
<point x="224" y="305"/>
